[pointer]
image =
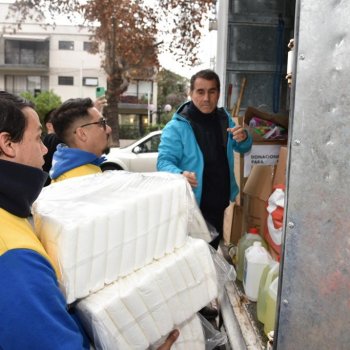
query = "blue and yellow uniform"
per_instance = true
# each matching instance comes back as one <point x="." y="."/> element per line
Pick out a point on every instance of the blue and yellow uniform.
<point x="33" y="310"/>
<point x="72" y="162"/>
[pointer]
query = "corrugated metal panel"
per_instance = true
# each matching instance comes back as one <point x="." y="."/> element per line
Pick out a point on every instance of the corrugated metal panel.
<point x="315" y="285"/>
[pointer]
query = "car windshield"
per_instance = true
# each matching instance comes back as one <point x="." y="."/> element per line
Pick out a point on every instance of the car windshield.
<point x="149" y="145"/>
<point x="128" y="143"/>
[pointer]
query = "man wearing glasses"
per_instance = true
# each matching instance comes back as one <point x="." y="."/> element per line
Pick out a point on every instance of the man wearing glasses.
<point x="85" y="135"/>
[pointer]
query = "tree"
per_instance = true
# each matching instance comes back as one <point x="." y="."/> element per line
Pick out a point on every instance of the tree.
<point x="172" y="90"/>
<point x="44" y="102"/>
<point x="130" y="33"/>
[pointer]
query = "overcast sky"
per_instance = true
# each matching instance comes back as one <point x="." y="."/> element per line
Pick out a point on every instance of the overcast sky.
<point x="207" y="53"/>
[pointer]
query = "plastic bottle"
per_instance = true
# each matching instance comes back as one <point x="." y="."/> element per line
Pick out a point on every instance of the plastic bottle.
<point x="256" y="258"/>
<point x="271" y="307"/>
<point x="270" y="272"/>
<point x="246" y="241"/>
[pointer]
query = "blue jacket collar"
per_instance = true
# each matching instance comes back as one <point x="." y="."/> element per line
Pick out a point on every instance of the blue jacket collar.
<point x="66" y="158"/>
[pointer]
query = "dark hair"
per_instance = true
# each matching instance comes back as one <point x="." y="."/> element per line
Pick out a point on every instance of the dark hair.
<point x="48" y="116"/>
<point x="70" y="111"/>
<point x="12" y="120"/>
<point x="206" y="74"/>
<point x="19" y="102"/>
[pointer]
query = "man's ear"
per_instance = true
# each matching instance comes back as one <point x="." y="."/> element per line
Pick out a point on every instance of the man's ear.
<point x="6" y="145"/>
<point x="81" y="134"/>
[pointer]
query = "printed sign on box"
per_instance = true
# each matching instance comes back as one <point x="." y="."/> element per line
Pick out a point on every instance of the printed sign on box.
<point x="261" y="155"/>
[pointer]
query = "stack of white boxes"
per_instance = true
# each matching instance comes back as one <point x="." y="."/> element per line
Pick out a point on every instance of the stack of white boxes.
<point x="121" y="243"/>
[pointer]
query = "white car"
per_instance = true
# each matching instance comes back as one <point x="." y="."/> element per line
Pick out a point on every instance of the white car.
<point x="140" y="156"/>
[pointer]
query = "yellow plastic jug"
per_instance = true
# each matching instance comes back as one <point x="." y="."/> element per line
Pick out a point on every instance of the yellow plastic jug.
<point x="271" y="307"/>
<point x="270" y="272"/>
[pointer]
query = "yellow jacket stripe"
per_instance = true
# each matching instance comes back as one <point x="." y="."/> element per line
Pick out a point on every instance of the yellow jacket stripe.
<point x="17" y="233"/>
<point x="87" y="169"/>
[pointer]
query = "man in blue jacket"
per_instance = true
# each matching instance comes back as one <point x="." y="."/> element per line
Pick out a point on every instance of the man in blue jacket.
<point x="34" y="313"/>
<point x="199" y="143"/>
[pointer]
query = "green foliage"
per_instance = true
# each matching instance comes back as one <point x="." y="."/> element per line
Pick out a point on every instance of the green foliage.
<point x="129" y="132"/>
<point x="151" y="128"/>
<point x="28" y="96"/>
<point x="44" y="102"/>
<point x="172" y="89"/>
<point x="166" y="116"/>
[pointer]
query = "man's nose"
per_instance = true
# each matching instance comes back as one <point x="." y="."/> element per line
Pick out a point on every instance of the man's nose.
<point x="44" y="149"/>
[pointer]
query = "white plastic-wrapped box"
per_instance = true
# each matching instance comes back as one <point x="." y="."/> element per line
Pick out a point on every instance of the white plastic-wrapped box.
<point x="98" y="228"/>
<point x="140" y="309"/>
<point x="191" y="336"/>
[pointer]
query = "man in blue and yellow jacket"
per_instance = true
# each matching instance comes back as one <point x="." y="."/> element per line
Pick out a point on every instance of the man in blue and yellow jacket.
<point x="85" y="135"/>
<point x="33" y="310"/>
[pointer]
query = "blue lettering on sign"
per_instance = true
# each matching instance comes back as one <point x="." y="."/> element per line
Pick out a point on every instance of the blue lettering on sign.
<point x="264" y="156"/>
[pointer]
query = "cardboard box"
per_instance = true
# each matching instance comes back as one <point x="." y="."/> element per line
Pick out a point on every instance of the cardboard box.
<point x="261" y="154"/>
<point x="237" y="224"/>
<point x="233" y="224"/>
<point x="256" y="193"/>
<point x="278" y="119"/>
<point x="280" y="174"/>
<point x="227" y="225"/>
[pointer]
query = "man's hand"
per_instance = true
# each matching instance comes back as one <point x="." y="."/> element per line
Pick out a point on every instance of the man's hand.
<point x="191" y="178"/>
<point x="238" y="133"/>
<point x="100" y="103"/>
<point x="172" y="337"/>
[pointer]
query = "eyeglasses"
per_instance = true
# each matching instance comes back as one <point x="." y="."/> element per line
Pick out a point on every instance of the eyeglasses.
<point x="102" y="123"/>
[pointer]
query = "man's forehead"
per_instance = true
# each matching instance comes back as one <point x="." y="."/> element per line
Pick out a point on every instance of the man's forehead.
<point x="30" y="114"/>
<point x="201" y="83"/>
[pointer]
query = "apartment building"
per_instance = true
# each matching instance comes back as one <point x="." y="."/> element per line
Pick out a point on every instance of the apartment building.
<point x="36" y="59"/>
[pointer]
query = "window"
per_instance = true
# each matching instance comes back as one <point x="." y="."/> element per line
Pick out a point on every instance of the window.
<point x="66" y="45"/>
<point x="20" y="83"/>
<point x="87" y="45"/>
<point x="34" y="83"/>
<point x="65" y="81"/>
<point x="26" y="52"/>
<point x="90" y="81"/>
<point x="150" y="145"/>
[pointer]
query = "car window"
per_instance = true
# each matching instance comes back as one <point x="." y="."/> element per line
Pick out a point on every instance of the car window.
<point x="150" y="145"/>
<point x="155" y="141"/>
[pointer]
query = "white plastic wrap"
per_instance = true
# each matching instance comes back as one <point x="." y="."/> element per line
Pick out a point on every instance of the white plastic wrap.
<point x="138" y="310"/>
<point x="197" y="333"/>
<point x="98" y="228"/>
<point x="191" y="336"/>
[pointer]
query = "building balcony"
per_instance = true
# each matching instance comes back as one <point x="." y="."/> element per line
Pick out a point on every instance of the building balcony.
<point x="24" y="68"/>
<point x="25" y="54"/>
<point x="135" y="103"/>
